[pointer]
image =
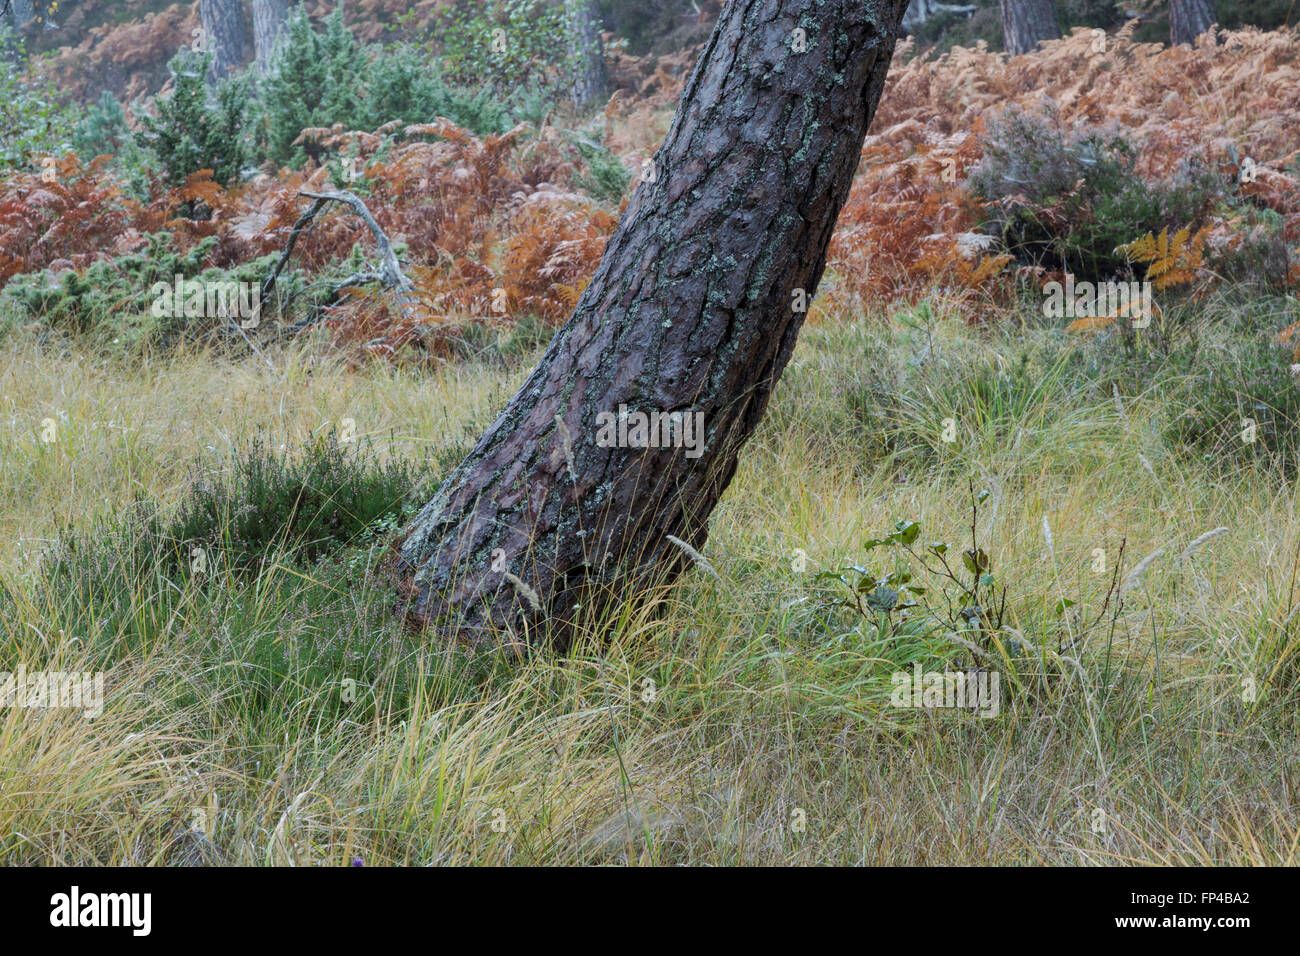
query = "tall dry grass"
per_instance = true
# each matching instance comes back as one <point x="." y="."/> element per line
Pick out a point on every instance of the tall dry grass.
<point x="721" y="722"/>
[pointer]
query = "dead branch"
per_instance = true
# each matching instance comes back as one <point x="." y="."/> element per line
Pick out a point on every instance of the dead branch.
<point x="389" y="274"/>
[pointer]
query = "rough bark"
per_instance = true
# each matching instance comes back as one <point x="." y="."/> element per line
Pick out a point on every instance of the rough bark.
<point x="591" y="79"/>
<point x="1027" y="23"/>
<point x="1188" y="19"/>
<point x="692" y="309"/>
<point x="269" y="17"/>
<point x="224" y="35"/>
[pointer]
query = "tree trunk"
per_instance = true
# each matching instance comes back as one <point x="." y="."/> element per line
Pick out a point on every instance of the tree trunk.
<point x="22" y="12"/>
<point x="1027" y="23"/>
<point x="591" y="80"/>
<point x="1188" y="19"/>
<point x="694" y="309"/>
<point x="223" y="35"/>
<point x="919" y="12"/>
<point x="269" y="17"/>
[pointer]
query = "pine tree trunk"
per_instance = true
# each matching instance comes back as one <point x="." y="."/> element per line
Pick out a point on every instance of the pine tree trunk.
<point x="1027" y="23"/>
<point x="693" y="309"/>
<point x="591" y="80"/>
<point x="269" y="17"/>
<point x="1188" y="19"/>
<point x="224" y="35"/>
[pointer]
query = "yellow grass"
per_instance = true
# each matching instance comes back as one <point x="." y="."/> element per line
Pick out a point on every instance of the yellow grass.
<point x="728" y="730"/>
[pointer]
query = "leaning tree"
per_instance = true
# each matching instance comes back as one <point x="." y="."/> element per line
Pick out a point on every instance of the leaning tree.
<point x="693" y="310"/>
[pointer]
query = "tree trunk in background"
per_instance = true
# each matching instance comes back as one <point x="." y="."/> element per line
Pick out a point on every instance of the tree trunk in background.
<point x="694" y="309"/>
<point x="223" y="34"/>
<point x="920" y="12"/>
<point x="22" y="12"/>
<point x="591" y="81"/>
<point x="269" y="17"/>
<point x="1188" y="19"/>
<point x="1026" y="23"/>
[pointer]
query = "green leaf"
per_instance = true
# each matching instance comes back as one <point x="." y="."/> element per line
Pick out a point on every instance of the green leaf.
<point x="882" y="599"/>
<point x="1062" y="604"/>
<point x="986" y="580"/>
<point x="905" y="532"/>
<point x="983" y="496"/>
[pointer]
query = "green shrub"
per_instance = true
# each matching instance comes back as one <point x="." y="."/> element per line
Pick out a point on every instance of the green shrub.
<point x="308" y="505"/>
<point x="507" y="45"/>
<point x="322" y="77"/>
<point x="103" y="130"/>
<point x="112" y="301"/>
<point x="606" y="177"/>
<point x="190" y="133"/>
<point x="271" y="597"/>
<point x="404" y="84"/>
<point x="267" y="506"/>
<point x="34" y="120"/>
<point x="314" y="82"/>
<point x="1067" y="200"/>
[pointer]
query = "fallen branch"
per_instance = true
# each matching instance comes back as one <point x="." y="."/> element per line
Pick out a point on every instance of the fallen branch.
<point x="389" y="274"/>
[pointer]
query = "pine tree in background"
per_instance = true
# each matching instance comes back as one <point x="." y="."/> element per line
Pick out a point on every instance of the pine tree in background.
<point x="315" y="82"/>
<point x="188" y="133"/>
<point x="104" y="129"/>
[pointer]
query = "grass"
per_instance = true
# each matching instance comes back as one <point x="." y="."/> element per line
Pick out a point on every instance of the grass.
<point x="280" y="714"/>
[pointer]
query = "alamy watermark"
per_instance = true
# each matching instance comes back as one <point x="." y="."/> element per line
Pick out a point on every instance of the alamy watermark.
<point x="977" y="690"/>
<point x="75" y="908"/>
<point x="82" y="690"/>
<point x="624" y="429"/>
<point x="191" y="299"/>
<point x="1088" y="300"/>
